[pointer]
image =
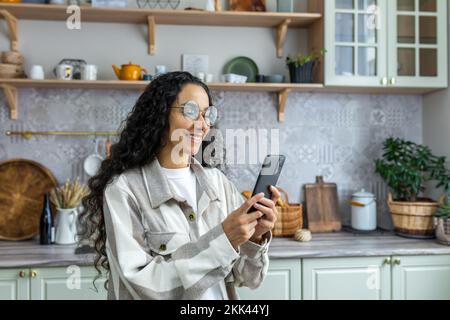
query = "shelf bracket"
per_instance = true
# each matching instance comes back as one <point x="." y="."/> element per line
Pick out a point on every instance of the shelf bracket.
<point x="11" y="98"/>
<point x="281" y="36"/>
<point x="13" y="29"/>
<point x="151" y="35"/>
<point x="218" y="5"/>
<point x="282" y="100"/>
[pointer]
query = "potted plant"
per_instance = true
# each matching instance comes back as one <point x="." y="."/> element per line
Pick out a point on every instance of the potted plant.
<point x="443" y="221"/>
<point x="301" y="66"/>
<point x="406" y="167"/>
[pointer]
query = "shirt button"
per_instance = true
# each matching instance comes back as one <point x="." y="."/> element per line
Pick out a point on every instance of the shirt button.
<point x="192" y="216"/>
<point x="162" y="247"/>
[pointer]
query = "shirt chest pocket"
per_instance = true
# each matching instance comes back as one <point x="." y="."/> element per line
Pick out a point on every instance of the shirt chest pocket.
<point x="165" y="243"/>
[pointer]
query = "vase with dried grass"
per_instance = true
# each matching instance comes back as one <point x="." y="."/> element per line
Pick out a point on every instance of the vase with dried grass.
<point x="67" y="199"/>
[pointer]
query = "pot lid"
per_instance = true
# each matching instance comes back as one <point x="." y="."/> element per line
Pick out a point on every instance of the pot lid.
<point x="130" y="64"/>
<point x="363" y="194"/>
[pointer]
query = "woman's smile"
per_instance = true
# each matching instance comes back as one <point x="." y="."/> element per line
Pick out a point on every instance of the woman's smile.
<point x="196" y="138"/>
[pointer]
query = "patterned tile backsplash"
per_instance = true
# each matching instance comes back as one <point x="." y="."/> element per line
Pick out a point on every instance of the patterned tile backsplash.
<point x="337" y="136"/>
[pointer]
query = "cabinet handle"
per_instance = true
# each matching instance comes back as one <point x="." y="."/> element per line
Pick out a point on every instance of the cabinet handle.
<point x="22" y="274"/>
<point x="387" y="261"/>
<point x="384" y="81"/>
<point x="393" y="81"/>
<point x="397" y="262"/>
<point x="33" y="274"/>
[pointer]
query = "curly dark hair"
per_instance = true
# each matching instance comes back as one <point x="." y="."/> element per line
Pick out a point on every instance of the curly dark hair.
<point x="141" y="139"/>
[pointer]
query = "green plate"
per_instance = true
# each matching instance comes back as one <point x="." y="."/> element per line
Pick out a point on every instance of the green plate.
<point x="243" y="66"/>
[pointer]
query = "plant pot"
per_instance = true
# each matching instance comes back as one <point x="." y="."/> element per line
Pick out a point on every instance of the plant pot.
<point x="443" y="230"/>
<point x="302" y="74"/>
<point x="413" y="219"/>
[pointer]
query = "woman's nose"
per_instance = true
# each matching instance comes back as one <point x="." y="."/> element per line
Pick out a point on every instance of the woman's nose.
<point x="202" y="121"/>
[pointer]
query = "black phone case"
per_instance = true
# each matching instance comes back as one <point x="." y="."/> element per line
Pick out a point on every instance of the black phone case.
<point x="270" y="172"/>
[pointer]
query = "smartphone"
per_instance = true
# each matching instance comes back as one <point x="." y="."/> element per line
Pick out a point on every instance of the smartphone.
<point x="270" y="172"/>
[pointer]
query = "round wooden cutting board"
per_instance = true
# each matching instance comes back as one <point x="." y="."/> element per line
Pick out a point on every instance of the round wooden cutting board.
<point x="23" y="184"/>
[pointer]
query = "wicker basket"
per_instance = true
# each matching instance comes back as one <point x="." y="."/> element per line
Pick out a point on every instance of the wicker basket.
<point x="290" y="215"/>
<point x="443" y="231"/>
<point x="413" y="219"/>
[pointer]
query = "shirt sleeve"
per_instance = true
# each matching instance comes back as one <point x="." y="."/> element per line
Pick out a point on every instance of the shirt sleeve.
<point x="252" y="265"/>
<point x="182" y="273"/>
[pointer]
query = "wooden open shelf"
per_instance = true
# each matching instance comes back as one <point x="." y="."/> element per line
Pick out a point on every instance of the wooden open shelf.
<point x="140" y="85"/>
<point x="163" y="16"/>
<point x="282" y="89"/>
<point x="153" y="17"/>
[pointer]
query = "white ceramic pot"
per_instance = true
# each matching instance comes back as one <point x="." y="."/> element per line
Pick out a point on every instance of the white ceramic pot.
<point x="66" y="226"/>
<point x="364" y="211"/>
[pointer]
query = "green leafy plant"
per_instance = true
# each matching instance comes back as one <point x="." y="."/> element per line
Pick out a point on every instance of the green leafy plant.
<point x="444" y="209"/>
<point x="406" y="166"/>
<point x="300" y="59"/>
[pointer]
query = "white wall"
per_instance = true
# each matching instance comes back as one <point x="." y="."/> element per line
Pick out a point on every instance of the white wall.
<point x="47" y="42"/>
<point x="436" y="122"/>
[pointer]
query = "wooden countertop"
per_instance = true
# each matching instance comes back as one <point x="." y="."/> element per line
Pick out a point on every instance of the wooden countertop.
<point x="15" y="254"/>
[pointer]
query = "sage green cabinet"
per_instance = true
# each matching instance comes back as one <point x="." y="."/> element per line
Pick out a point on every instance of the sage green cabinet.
<point x="346" y="279"/>
<point x="62" y="283"/>
<point x="14" y="285"/>
<point x="386" y="43"/>
<point x="283" y="282"/>
<point x="396" y="277"/>
<point x="356" y="42"/>
<point x="421" y="278"/>
<point x="417" y="40"/>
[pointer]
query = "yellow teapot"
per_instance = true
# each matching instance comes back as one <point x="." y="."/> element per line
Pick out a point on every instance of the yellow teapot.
<point x="129" y="71"/>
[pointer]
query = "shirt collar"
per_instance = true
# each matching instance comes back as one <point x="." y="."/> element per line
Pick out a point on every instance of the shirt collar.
<point x="158" y="188"/>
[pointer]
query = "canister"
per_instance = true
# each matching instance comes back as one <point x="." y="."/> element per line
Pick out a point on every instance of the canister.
<point x="364" y="211"/>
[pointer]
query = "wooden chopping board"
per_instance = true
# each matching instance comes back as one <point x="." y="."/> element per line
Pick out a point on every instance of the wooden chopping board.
<point x="322" y="206"/>
<point x="23" y="184"/>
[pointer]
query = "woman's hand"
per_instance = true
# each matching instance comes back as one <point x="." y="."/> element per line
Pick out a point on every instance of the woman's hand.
<point x="239" y="226"/>
<point x="267" y="222"/>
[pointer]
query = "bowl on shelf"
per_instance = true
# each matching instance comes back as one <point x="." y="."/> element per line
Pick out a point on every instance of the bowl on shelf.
<point x="234" y="78"/>
<point x="274" y="78"/>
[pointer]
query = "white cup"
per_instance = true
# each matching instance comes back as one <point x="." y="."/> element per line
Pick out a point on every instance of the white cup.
<point x="64" y="72"/>
<point x="209" y="77"/>
<point x="89" y="72"/>
<point x="201" y="76"/>
<point x="160" y="69"/>
<point x="36" y="72"/>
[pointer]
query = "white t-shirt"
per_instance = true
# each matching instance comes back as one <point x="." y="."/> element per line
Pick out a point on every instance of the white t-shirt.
<point x="183" y="183"/>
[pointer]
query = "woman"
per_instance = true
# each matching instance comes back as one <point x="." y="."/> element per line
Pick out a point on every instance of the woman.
<point x="164" y="226"/>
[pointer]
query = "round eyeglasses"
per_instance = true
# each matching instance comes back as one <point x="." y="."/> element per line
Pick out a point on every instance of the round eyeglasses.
<point x="191" y="110"/>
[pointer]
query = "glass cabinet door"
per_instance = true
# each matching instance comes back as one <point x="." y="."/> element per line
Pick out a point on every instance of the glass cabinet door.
<point x="417" y="43"/>
<point x="355" y="40"/>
